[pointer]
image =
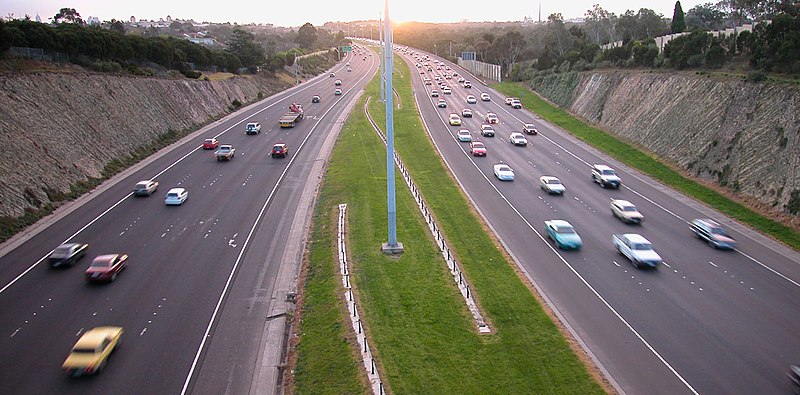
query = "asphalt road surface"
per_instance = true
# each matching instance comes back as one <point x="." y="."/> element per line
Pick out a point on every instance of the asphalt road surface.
<point x="194" y="299"/>
<point x="706" y="321"/>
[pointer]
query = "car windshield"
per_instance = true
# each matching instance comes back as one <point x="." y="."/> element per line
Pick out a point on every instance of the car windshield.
<point x="172" y="195"/>
<point x="477" y="145"/>
<point x="565" y="230"/>
<point x="101" y="263"/>
<point x="209" y="141"/>
<point x="62" y="250"/>
<point x="609" y="172"/>
<point x="642" y="246"/>
<point x="553" y="181"/>
<point x="83" y="350"/>
<point x="719" y="231"/>
<point x="504" y="168"/>
<point x="629" y="208"/>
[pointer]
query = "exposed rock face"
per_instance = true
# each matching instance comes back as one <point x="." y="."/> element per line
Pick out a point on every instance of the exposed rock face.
<point x="744" y="136"/>
<point x="60" y="128"/>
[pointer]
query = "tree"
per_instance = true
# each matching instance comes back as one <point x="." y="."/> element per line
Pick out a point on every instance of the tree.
<point x="678" y="23"/>
<point x="243" y="45"/>
<point x="600" y="25"/>
<point x="117" y="26"/>
<point x="68" y="15"/>
<point x="307" y="36"/>
<point x="5" y="37"/>
<point x="705" y="16"/>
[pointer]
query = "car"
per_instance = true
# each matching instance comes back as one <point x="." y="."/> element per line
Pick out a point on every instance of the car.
<point x="337" y="92"/>
<point x="518" y="138"/>
<point x="441" y="103"/>
<point x="516" y="104"/>
<point x="332" y="75"/>
<point x="794" y="377"/>
<point x="509" y="100"/>
<point x="529" y="128"/>
<point x="176" y="196"/>
<point x="347" y="64"/>
<point x="427" y="81"/>
<point x="349" y="69"/>
<point x="503" y="172"/>
<point x="464" y="136"/>
<point x="434" y="93"/>
<point x="337" y="82"/>
<point x="551" y="185"/>
<point x="455" y="120"/>
<point x="446" y="91"/>
<point x="467" y="84"/>
<point x="252" y="128"/>
<point x="315" y="99"/>
<point x="637" y="249"/>
<point x="492" y="118"/>
<point x="476" y="148"/>
<point x="106" y="267"/>
<point x="210" y="143"/>
<point x="605" y="176"/>
<point x="471" y="99"/>
<point x="461" y="80"/>
<point x="280" y="150"/>
<point x="485" y="97"/>
<point x="145" y="188"/>
<point x="487" y="130"/>
<point x="563" y="234"/>
<point x="67" y="254"/>
<point x="90" y="353"/>
<point x="626" y="211"/>
<point x="713" y="233"/>
<point x="437" y="78"/>
<point x="466" y="113"/>
<point x="448" y="76"/>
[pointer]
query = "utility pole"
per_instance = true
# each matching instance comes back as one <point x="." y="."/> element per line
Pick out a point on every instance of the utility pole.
<point x="392" y="247"/>
<point x="382" y="72"/>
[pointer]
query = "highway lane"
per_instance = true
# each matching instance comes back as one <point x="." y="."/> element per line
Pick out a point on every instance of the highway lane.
<point x="707" y="321"/>
<point x="180" y="259"/>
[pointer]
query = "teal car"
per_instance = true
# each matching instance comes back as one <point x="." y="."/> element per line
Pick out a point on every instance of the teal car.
<point x="563" y="234"/>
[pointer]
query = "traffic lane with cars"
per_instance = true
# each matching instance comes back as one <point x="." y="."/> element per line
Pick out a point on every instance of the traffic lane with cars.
<point x="605" y="234"/>
<point x="169" y="273"/>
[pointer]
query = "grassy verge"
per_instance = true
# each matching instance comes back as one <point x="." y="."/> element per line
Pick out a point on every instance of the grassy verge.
<point x="419" y="326"/>
<point x="647" y="164"/>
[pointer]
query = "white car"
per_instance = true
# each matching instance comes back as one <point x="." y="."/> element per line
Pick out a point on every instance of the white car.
<point x="626" y="211"/>
<point x="176" y="196"/>
<point x="446" y="91"/>
<point x="464" y="136"/>
<point x="637" y="249"/>
<point x="551" y="185"/>
<point x="503" y="172"/>
<point x="487" y="130"/>
<point x="605" y="176"/>
<point x="455" y="120"/>
<point x="471" y="99"/>
<point x="518" y="138"/>
<point x="530" y="128"/>
<point x="485" y="97"/>
<point x="434" y="93"/>
<point x="466" y="113"/>
<point x="441" y="103"/>
<point x="252" y="128"/>
<point x="516" y="104"/>
<point x="492" y="118"/>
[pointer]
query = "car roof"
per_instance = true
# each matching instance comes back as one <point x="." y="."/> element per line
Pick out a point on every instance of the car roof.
<point x="707" y="222"/>
<point x="177" y="190"/>
<point x="94" y="336"/>
<point x="602" y="167"/>
<point x="548" y="178"/>
<point x="636" y="238"/>
<point x="622" y="202"/>
<point x="558" y="223"/>
<point x="517" y="134"/>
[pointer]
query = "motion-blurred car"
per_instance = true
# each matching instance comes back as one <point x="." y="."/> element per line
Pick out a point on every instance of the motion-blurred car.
<point x="337" y="92"/>
<point x="349" y="69"/>
<point x="280" y="150"/>
<point x="332" y="75"/>
<point x="454" y="120"/>
<point x="466" y="113"/>
<point x="551" y="185"/>
<point x="441" y="103"/>
<point x="427" y="81"/>
<point x="518" y="138"/>
<point x="145" y="188"/>
<point x="503" y="172"/>
<point x="563" y="234"/>
<point x="476" y="148"/>
<point x="337" y="82"/>
<point x="509" y="100"/>
<point x="529" y="128"/>
<point x="626" y="211"/>
<point x="106" y="267"/>
<point x="434" y="93"/>
<point x="176" y="196"/>
<point x="67" y="254"/>
<point x="467" y="84"/>
<point x="637" y="249"/>
<point x="464" y="136"/>
<point x="471" y="99"/>
<point x="90" y="353"/>
<point x="516" y="104"/>
<point x="605" y="176"/>
<point x="487" y="130"/>
<point x="712" y="233"/>
<point x="210" y="143"/>
<point x="446" y="91"/>
<point x="315" y="99"/>
<point x="485" y="97"/>
<point x="492" y="118"/>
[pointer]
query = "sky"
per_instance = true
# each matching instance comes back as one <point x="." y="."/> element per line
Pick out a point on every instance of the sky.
<point x="296" y="13"/>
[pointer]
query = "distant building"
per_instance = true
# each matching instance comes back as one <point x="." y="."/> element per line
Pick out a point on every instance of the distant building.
<point x="92" y="20"/>
<point x="38" y="18"/>
<point x="133" y="19"/>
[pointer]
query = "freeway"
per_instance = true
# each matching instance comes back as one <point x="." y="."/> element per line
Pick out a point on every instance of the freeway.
<point x="706" y="321"/>
<point x="201" y="279"/>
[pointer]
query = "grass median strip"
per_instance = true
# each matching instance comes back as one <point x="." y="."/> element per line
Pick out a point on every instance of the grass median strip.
<point x="420" y="330"/>
<point x="649" y="165"/>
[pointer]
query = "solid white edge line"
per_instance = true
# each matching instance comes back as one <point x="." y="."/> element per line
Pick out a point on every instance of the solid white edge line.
<point x="564" y="261"/>
<point x="250" y="234"/>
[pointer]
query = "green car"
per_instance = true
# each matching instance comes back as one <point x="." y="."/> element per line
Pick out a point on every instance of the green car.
<point x="563" y="234"/>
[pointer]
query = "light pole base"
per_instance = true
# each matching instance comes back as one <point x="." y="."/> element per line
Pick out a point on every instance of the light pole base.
<point x="392" y="250"/>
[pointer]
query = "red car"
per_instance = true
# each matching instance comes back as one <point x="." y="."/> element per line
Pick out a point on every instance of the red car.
<point x="106" y="267"/>
<point x="210" y="143"/>
<point x="280" y="150"/>
<point x="477" y="148"/>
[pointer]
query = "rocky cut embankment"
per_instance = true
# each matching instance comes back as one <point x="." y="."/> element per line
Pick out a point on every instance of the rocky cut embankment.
<point x="62" y="128"/>
<point x="740" y="135"/>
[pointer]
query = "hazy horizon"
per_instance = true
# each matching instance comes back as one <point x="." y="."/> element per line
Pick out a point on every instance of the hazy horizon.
<point x="319" y="11"/>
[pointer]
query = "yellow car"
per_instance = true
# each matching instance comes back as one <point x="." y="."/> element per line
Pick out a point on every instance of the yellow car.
<point x="90" y="353"/>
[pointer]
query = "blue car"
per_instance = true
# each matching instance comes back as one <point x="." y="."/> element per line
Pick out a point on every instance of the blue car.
<point x="563" y="234"/>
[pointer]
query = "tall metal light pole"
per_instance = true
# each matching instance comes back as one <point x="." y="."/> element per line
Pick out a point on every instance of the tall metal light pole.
<point x="392" y="246"/>
<point x="382" y="72"/>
